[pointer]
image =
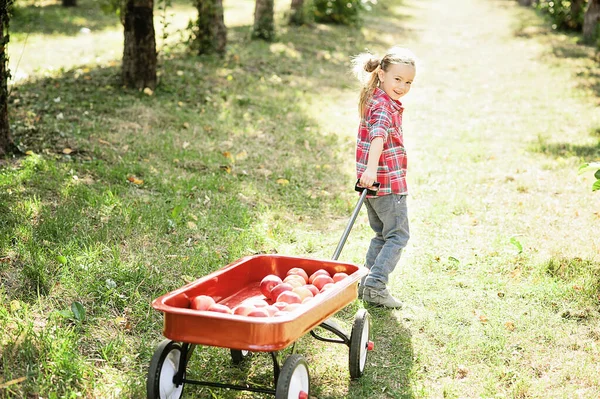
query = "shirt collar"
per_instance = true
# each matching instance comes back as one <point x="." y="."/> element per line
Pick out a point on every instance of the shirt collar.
<point x="379" y="93"/>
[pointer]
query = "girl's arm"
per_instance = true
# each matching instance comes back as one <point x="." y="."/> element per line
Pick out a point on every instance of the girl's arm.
<point x="369" y="176"/>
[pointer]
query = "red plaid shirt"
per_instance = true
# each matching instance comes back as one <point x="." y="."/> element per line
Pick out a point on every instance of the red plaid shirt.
<point x="383" y="118"/>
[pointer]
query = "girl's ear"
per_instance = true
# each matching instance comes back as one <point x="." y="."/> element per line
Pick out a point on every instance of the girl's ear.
<point x="380" y="74"/>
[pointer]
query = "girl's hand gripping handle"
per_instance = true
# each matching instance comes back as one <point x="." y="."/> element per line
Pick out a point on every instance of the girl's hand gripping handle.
<point x="370" y="190"/>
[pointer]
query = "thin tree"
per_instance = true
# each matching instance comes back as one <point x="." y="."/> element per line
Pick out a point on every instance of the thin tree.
<point x="139" y="50"/>
<point x="297" y="16"/>
<point x="591" y="20"/>
<point x="6" y="143"/>
<point x="211" y="36"/>
<point x="69" y="3"/>
<point x="264" y="21"/>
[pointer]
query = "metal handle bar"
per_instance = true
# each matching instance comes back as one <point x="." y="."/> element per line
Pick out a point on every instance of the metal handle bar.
<point x="364" y="191"/>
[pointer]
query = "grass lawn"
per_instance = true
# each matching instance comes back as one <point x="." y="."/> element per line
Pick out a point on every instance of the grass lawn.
<point x="125" y="196"/>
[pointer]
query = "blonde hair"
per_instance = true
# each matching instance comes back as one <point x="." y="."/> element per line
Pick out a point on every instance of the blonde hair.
<point x="365" y="67"/>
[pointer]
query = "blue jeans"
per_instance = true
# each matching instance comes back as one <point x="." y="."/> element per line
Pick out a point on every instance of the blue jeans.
<point x="388" y="218"/>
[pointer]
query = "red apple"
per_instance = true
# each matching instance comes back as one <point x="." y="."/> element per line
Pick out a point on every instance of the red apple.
<point x="280" y="305"/>
<point x="294" y="280"/>
<point x="278" y="289"/>
<point x="292" y="306"/>
<point x="339" y="276"/>
<point x="321" y="280"/>
<point x="256" y="302"/>
<point x="312" y="289"/>
<point x="289" y="297"/>
<point x="259" y="312"/>
<point x="327" y="286"/>
<point x="202" y="302"/>
<point x="318" y="273"/>
<point x="243" y="309"/>
<point x="218" y="307"/>
<point x="298" y="271"/>
<point x="281" y="313"/>
<point x="267" y="284"/>
<point x="272" y="309"/>
<point x="303" y="292"/>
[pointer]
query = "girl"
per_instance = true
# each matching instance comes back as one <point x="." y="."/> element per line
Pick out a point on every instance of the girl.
<point x="381" y="157"/>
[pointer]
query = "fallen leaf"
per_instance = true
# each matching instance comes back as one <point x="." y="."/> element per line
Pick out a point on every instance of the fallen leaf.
<point x="577" y="287"/>
<point x="240" y="156"/>
<point x="510" y="326"/>
<point x="191" y="225"/>
<point x="185" y="145"/>
<point x="226" y="168"/>
<point x="462" y="372"/>
<point x="135" y="180"/>
<point x="103" y="142"/>
<point x="283" y="182"/>
<point x="148" y="91"/>
<point x="67" y="151"/>
<point x="186" y="125"/>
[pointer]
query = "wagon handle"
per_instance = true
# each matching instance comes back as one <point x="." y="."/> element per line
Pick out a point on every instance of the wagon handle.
<point x="364" y="191"/>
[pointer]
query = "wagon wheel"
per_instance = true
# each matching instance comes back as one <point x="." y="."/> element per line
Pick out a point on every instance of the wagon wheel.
<point x="294" y="380"/>
<point x="359" y="343"/>
<point x="238" y="356"/>
<point x="163" y="367"/>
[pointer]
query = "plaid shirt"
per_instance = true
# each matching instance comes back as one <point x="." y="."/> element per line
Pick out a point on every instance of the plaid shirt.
<point x="383" y="118"/>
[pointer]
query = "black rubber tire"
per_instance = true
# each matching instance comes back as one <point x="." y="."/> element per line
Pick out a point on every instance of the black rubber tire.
<point x="238" y="356"/>
<point x="359" y="340"/>
<point x="169" y="351"/>
<point x="293" y="378"/>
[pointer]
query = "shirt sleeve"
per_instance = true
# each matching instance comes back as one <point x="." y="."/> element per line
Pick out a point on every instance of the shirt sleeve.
<point x="379" y="123"/>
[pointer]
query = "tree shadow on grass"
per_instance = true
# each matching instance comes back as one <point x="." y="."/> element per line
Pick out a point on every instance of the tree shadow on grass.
<point x="56" y="19"/>
<point x="213" y="145"/>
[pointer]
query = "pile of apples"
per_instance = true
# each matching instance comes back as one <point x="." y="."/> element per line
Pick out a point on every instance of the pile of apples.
<point x="281" y="296"/>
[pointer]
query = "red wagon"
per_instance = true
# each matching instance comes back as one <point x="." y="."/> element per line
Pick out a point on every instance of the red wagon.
<point x="184" y="328"/>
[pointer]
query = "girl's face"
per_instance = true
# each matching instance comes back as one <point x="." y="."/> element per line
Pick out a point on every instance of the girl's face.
<point x="396" y="81"/>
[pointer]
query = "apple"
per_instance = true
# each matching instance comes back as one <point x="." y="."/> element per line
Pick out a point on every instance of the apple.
<point x="303" y="292"/>
<point x="243" y="309"/>
<point x="318" y="273"/>
<point x="339" y="276"/>
<point x="202" y="302"/>
<point x="294" y="280"/>
<point x="289" y="297"/>
<point x="299" y="272"/>
<point x="259" y="312"/>
<point x="327" y="286"/>
<point x="312" y="289"/>
<point x="320" y="280"/>
<point x="278" y="289"/>
<point x="272" y="309"/>
<point x="308" y="298"/>
<point x="218" y="307"/>
<point x="267" y="284"/>
<point x="281" y="313"/>
<point x="256" y="302"/>
<point x="280" y="305"/>
<point x="291" y="307"/>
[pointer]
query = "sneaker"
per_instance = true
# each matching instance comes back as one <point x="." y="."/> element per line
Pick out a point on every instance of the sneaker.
<point x="380" y="297"/>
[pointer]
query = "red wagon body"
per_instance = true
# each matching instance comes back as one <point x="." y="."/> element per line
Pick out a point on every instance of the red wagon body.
<point x="239" y="281"/>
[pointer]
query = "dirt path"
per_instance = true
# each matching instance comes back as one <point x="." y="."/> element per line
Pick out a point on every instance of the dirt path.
<point x="498" y="121"/>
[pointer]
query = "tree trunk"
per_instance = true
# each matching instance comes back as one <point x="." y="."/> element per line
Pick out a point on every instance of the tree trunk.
<point x="212" y="33"/>
<point x="6" y="143"/>
<point x="139" y="50"/>
<point x="297" y="12"/>
<point x="264" y="25"/>
<point x="69" y="3"/>
<point x="526" y="3"/>
<point x="591" y="20"/>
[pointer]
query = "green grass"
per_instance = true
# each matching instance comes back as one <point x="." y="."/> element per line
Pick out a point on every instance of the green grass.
<point x="253" y="153"/>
